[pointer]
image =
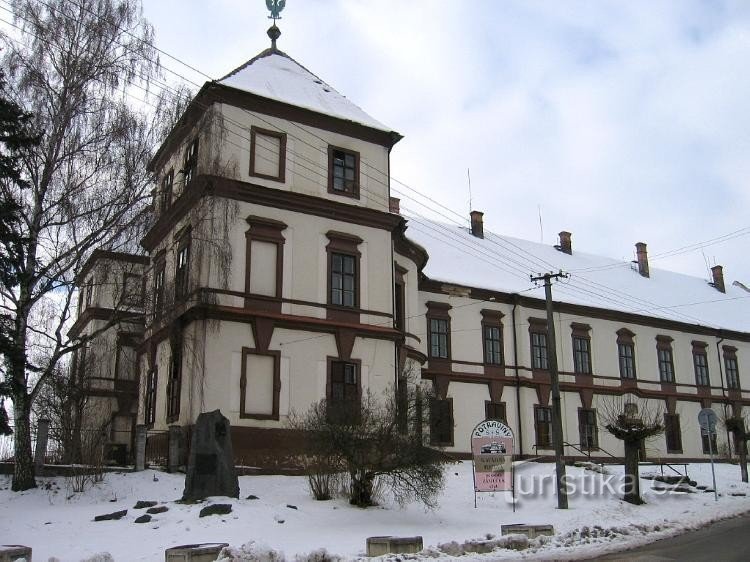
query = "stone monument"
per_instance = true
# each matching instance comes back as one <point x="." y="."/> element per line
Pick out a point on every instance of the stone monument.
<point x="211" y="464"/>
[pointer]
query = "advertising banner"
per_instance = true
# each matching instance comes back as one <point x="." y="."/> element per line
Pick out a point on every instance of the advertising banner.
<point x="492" y="453"/>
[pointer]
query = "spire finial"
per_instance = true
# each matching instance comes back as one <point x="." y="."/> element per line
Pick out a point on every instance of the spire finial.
<point x="275" y="7"/>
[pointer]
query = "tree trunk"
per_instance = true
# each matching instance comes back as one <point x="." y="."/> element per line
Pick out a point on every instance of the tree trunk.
<point x="740" y="445"/>
<point x="632" y="473"/>
<point x="361" y="489"/>
<point x="23" y="473"/>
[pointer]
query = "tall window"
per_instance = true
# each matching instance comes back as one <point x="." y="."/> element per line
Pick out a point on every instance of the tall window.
<point x="174" y="384"/>
<point x="158" y="289"/>
<point x="191" y="162"/>
<point x="439" y="338"/>
<point x="343" y="393"/>
<point x="664" y="356"/>
<point x="494" y="411"/>
<point x="543" y="426"/>
<point x="709" y="443"/>
<point x="626" y="353"/>
<point x="539" y="350"/>
<point x="672" y="433"/>
<point x="441" y="421"/>
<point x="493" y="345"/>
<point x="587" y="428"/>
<point x="438" y="332"/>
<point x="700" y="363"/>
<point x="731" y="368"/>
<point x="267" y="154"/>
<point x="399" y="311"/>
<point x="581" y="355"/>
<point x="150" y="398"/>
<point x="89" y="291"/>
<point x="166" y="190"/>
<point x="343" y="171"/>
<point x="343" y="280"/>
<point x="182" y="269"/>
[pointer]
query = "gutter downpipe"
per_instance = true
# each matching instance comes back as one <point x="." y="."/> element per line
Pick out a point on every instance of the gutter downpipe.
<point x="723" y="392"/>
<point x="516" y="298"/>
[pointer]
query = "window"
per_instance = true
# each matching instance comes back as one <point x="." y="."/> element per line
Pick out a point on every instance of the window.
<point x="664" y="356"/>
<point x="626" y="353"/>
<point x="587" y="429"/>
<point x="398" y="305"/>
<point x="343" y="172"/>
<point x="494" y="411"/>
<point x="149" y="405"/>
<point x="672" y="433"/>
<point x="493" y="353"/>
<point x="343" y="280"/>
<point x="260" y="384"/>
<point x="731" y="368"/>
<point x="581" y="355"/>
<point x="191" y="162"/>
<point x="539" y="350"/>
<point x="700" y="363"/>
<point x="131" y="289"/>
<point x="166" y="190"/>
<point x="182" y="267"/>
<point x="89" y="291"/>
<point x="441" y="421"/>
<point x="439" y="338"/>
<point x="174" y="384"/>
<point x="264" y="262"/>
<point x="267" y="154"/>
<point x="709" y="443"/>
<point x="343" y="393"/>
<point x="158" y="289"/>
<point x="543" y="426"/>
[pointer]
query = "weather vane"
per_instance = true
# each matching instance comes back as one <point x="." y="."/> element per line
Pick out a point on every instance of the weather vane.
<point x="275" y="7"/>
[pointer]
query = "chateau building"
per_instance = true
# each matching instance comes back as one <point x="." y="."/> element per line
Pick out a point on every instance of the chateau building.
<point x="279" y="272"/>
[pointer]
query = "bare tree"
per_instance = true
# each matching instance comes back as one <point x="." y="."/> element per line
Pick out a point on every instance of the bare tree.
<point x="632" y="420"/>
<point x="736" y="424"/>
<point x="368" y="440"/>
<point x="72" y="68"/>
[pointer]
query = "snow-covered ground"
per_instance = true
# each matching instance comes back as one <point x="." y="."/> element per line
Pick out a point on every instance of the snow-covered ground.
<point x="58" y="523"/>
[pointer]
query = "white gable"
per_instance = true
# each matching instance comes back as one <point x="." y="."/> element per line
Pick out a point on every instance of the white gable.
<point x="275" y="75"/>
<point x="503" y="264"/>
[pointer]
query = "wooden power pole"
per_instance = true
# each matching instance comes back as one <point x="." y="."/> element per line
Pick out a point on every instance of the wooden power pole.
<point x="557" y="434"/>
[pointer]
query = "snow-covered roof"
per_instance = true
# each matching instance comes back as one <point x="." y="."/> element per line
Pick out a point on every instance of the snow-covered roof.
<point x="275" y="75"/>
<point x="503" y="264"/>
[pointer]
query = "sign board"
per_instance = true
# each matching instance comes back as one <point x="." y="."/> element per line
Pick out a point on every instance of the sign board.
<point x="492" y="453"/>
<point x="707" y="420"/>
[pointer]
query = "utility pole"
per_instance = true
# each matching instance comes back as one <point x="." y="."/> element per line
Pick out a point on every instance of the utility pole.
<point x="557" y="434"/>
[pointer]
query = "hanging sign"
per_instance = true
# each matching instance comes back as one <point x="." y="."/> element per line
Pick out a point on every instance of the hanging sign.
<point x="492" y="453"/>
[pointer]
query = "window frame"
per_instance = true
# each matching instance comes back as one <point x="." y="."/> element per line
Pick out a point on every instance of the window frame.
<point x="166" y="190"/>
<point x="355" y="188"/>
<point x="160" y="274"/>
<point x="489" y="406"/>
<point x="344" y="244"/>
<point x="182" y="273"/>
<point x="731" y="365"/>
<point x="492" y="320"/>
<point x="625" y="362"/>
<point x="672" y="431"/>
<point x="190" y="163"/>
<point x="343" y="416"/>
<point x="700" y="364"/>
<point x="665" y="359"/>
<point x="254" y="132"/>
<point x="149" y="398"/>
<point x="264" y="230"/>
<point x="435" y="437"/>
<point x="539" y="424"/>
<point x="583" y="428"/>
<point x="581" y="336"/>
<point x="275" y="407"/>
<point x="174" y="382"/>
<point x="539" y="340"/>
<point x="705" y="443"/>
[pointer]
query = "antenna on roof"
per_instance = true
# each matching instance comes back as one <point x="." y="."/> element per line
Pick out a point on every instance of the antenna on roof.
<point x="468" y="175"/>
<point x="541" y="225"/>
<point x="275" y="7"/>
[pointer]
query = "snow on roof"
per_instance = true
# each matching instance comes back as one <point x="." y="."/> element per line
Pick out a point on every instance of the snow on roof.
<point x="275" y="75"/>
<point x="503" y="264"/>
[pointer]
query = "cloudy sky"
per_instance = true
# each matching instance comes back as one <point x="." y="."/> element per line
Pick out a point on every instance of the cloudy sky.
<point x="620" y="121"/>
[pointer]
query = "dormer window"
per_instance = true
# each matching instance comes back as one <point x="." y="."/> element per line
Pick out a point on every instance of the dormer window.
<point x="191" y="162"/>
<point x="166" y="190"/>
<point x="343" y="172"/>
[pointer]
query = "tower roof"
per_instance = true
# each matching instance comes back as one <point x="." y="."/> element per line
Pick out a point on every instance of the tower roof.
<point x="275" y="75"/>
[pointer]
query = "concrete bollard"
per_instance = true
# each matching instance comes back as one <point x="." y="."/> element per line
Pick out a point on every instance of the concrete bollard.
<point x="42" y="436"/>
<point x="205" y="552"/>
<point x="15" y="552"/>
<point x="531" y="531"/>
<point x="378" y="546"/>
<point x="175" y="446"/>
<point x="140" y="447"/>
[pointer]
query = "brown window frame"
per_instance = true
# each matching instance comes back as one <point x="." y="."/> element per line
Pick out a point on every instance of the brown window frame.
<point x="160" y="277"/>
<point x="351" y="412"/>
<point x="352" y="191"/>
<point x="705" y="443"/>
<point x="167" y="183"/>
<point x="626" y="341"/>
<point x="665" y="359"/>
<point x="343" y="244"/>
<point x="537" y="335"/>
<point x="264" y="230"/>
<point x="700" y="364"/>
<point x="673" y="433"/>
<point x="492" y="320"/>
<point x="149" y="399"/>
<point x="584" y="423"/>
<point x="731" y="365"/>
<point x="174" y="382"/>
<point x="438" y="312"/>
<point x="182" y="273"/>
<point x="539" y="424"/>
<point x="491" y="410"/>
<point x="190" y="163"/>
<point x="445" y="439"/>
<point x="276" y="355"/>
<point x="399" y="298"/>
<point x="581" y="343"/>
<point x="254" y="132"/>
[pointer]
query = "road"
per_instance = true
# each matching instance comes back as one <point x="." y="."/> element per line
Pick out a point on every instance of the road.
<point x="725" y="541"/>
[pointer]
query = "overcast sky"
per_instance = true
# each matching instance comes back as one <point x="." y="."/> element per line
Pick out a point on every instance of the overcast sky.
<point x="622" y="121"/>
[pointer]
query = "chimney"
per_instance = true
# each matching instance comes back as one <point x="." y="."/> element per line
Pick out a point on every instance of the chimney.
<point x="477" y="224"/>
<point x="394" y="205"/>
<point x="718" y="274"/>
<point x="565" y="245"/>
<point x="642" y="255"/>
